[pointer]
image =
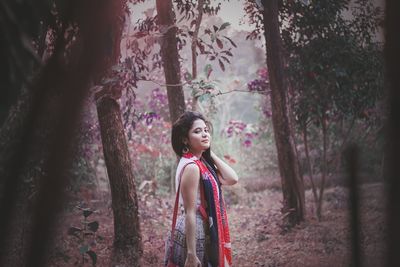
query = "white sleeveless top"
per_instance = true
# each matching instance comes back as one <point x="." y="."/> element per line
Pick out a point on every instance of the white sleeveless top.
<point x="183" y="162"/>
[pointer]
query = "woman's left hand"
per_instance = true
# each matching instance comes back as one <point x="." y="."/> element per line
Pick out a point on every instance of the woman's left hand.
<point x="227" y="176"/>
<point x="192" y="261"/>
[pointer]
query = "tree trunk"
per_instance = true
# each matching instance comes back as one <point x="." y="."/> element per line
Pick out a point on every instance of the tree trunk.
<point x="194" y="48"/>
<point x="170" y="58"/>
<point x="292" y="123"/>
<point x="336" y="162"/>
<point x="127" y="240"/>
<point x="309" y="165"/>
<point x="71" y="77"/>
<point x="292" y="185"/>
<point x="324" y="166"/>
<point x="392" y="170"/>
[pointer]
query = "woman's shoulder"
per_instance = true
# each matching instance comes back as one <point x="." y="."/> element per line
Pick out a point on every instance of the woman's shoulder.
<point x="185" y="161"/>
<point x="191" y="170"/>
<point x="187" y="167"/>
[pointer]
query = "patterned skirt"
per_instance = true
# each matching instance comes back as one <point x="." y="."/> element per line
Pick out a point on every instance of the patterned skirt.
<point x="179" y="242"/>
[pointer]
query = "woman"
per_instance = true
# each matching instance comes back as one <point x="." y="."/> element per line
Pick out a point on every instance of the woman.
<point x="201" y="234"/>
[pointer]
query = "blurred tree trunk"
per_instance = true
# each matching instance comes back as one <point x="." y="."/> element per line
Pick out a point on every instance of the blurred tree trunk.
<point x="292" y="184"/>
<point x="127" y="237"/>
<point x="392" y="170"/>
<point x="68" y="74"/>
<point x="170" y="58"/>
<point x="23" y="190"/>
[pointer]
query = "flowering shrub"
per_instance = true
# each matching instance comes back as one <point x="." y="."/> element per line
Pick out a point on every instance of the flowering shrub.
<point x="245" y="132"/>
<point x="148" y="130"/>
<point x="261" y="84"/>
<point x="257" y="85"/>
<point x="158" y="104"/>
<point x="249" y="147"/>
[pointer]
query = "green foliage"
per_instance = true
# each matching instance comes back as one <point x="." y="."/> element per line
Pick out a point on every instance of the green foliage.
<point x="335" y="69"/>
<point x="212" y="42"/>
<point x="186" y="8"/>
<point x="88" y="229"/>
<point x="202" y="86"/>
<point x="334" y="65"/>
<point x="248" y="147"/>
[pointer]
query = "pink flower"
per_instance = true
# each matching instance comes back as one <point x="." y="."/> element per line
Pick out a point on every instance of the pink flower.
<point x="247" y="143"/>
<point x="263" y="73"/>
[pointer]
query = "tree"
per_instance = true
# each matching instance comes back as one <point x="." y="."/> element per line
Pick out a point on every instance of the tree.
<point x="26" y="127"/>
<point x="127" y="239"/>
<point x="392" y="43"/>
<point x="335" y="70"/>
<point x="21" y="57"/>
<point x="194" y="46"/>
<point x="72" y="67"/>
<point x="292" y="184"/>
<point x="170" y="58"/>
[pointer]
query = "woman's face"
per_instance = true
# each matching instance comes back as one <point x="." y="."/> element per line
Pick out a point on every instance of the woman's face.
<point x="198" y="137"/>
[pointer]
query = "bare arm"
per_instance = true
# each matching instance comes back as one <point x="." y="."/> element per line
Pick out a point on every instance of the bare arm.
<point x="189" y="186"/>
<point x="226" y="175"/>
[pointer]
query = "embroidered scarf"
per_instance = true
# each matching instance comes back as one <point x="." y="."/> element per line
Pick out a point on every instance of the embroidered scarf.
<point x="220" y="250"/>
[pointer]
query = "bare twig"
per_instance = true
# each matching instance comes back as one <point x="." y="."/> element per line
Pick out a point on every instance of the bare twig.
<point x="243" y="91"/>
<point x="164" y="84"/>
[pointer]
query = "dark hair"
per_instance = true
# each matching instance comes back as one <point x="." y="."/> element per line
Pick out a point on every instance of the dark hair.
<point x="180" y="131"/>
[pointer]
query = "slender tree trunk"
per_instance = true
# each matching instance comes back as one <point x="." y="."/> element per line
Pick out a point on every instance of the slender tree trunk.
<point x="292" y="185"/>
<point x="292" y="119"/>
<point x="310" y="170"/>
<point x="382" y="168"/>
<point x="324" y="166"/>
<point x="194" y="46"/>
<point x="127" y="238"/>
<point x="127" y="244"/>
<point x="336" y="162"/>
<point x="170" y="58"/>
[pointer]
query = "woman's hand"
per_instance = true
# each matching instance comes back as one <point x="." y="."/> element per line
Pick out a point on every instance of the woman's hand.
<point x="192" y="260"/>
<point x="226" y="175"/>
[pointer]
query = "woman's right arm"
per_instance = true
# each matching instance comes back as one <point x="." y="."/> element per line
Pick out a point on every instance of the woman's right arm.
<point x="189" y="186"/>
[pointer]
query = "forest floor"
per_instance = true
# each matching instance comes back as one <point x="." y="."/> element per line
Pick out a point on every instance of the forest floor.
<point x="257" y="235"/>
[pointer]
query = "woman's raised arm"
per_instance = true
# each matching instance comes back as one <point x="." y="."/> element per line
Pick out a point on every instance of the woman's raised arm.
<point x="226" y="175"/>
